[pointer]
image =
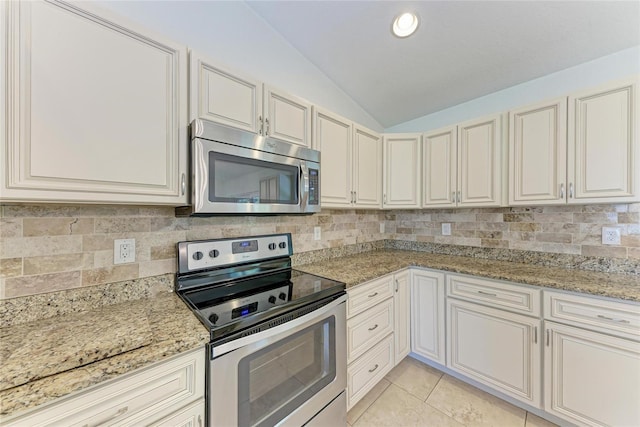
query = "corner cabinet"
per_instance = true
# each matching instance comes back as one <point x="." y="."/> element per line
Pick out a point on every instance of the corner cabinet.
<point x="242" y="102"/>
<point x="401" y="171"/>
<point x="402" y="309"/>
<point x="95" y="111"/>
<point x="167" y="393"/>
<point x="351" y="159"/>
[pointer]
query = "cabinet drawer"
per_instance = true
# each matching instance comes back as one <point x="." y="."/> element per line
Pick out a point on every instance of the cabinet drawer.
<point x="369" y="294"/>
<point x="368" y="370"/>
<point x="510" y="297"/>
<point x="366" y="329"/>
<point x="602" y="315"/>
<point x="137" y="398"/>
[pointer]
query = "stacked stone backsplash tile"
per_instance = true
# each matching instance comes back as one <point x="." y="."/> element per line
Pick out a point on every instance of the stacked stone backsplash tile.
<point x="46" y="248"/>
<point x="572" y="230"/>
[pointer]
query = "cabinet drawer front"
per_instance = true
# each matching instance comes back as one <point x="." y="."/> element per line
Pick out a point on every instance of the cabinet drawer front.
<point x="496" y="294"/>
<point x="366" y="329"/>
<point x="607" y="316"/>
<point x="368" y="370"/>
<point x="369" y="294"/>
<point x="135" y="399"/>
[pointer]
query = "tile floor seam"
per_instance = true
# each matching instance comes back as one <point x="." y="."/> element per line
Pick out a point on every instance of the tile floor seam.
<point x="434" y="387"/>
<point x="374" y="401"/>
<point x="444" y="413"/>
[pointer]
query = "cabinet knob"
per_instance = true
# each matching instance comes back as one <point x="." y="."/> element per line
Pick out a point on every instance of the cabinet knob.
<point x="261" y="124"/>
<point x="266" y="131"/>
<point x="571" y="190"/>
<point x="183" y="184"/>
<point x="562" y="190"/>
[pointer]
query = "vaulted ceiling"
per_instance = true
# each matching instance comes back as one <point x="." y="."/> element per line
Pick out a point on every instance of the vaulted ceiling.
<point x="462" y="49"/>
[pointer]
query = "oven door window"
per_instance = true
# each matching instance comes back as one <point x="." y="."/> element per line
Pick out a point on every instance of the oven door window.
<point x="235" y="179"/>
<point x="276" y="380"/>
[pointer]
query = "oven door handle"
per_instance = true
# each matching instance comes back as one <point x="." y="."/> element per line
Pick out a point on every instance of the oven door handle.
<point x="285" y="328"/>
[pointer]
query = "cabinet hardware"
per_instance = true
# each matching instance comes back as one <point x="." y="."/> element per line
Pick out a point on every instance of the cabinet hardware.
<point x="396" y="285"/>
<point x="487" y="293"/>
<point x="373" y="327"/>
<point x="612" y="319"/>
<point x="261" y="124"/>
<point x="571" y="190"/>
<point x="120" y="412"/>
<point x="374" y="368"/>
<point x="453" y="196"/>
<point x="562" y="190"/>
<point x="535" y="335"/>
<point x="459" y="196"/>
<point x="183" y="184"/>
<point x="266" y="131"/>
<point x="372" y="295"/>
<point x="547" y="338"/>
<point x="200" y="420"/>
<point x="384" y="199"/>
<point x="354" y="197"/>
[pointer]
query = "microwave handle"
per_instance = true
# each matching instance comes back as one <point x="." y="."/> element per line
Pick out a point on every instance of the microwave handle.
<point x="304" y="185"/>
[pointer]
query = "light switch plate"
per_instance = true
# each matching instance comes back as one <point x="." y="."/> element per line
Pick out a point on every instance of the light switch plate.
<point x="316" y="233"/>
<point x="446" y="229"/>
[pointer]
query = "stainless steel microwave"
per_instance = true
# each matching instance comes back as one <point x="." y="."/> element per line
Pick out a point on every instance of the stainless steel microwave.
<point x="238" y="172"/>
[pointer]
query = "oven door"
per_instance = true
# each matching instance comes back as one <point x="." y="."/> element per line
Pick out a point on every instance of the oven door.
<point x="235" y="179"/>
<point x="285" y="376"/>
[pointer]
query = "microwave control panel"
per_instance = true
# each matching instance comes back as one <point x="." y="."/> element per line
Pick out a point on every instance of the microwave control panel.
<point x="313" y="187"/>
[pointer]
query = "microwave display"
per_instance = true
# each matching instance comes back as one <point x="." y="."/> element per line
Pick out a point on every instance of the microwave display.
<point x="235" y="179"/>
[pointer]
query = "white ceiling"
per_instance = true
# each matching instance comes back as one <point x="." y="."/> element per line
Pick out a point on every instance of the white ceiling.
<point x="461" y="51"/>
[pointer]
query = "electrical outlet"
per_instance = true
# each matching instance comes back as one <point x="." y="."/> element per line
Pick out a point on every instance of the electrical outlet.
<point x="610" y="236"/>
<point x="316" y="233"/>
<point x="446" y="229"/>
<point x="124" y="251"/>
<point x="381" y="227"/>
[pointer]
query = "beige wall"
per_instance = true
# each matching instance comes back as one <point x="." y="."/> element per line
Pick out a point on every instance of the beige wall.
<point x="47" y="248"/>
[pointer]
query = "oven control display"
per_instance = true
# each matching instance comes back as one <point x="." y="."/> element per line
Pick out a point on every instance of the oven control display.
<point x="244" y="310"/>
<point x="244" y="246"/>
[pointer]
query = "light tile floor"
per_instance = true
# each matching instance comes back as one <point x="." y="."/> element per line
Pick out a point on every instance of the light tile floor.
<point x="414" y="394"/>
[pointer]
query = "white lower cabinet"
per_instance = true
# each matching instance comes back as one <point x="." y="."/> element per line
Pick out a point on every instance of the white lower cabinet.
<point x="496" y="348"/>
<point x="402" y="312"/>
<point x="592" y="363"/>
<point x="428" y="315"/>
<point x="369" y="369"/>
<point x="166" y="393"/>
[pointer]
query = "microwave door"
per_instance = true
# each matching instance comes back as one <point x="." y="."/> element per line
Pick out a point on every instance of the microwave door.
<point x="304" y="186"/>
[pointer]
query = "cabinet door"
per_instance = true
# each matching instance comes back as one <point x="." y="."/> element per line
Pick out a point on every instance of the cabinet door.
<point x="402" y="312"/>
<point x="96" y="111"/>
<point x="480" y="162"/>
<point x="496" y="348"/>
<point x="538" y="154"/>
<point x="287" y="117"/>
<point x="224" y="97"/>
<point x="591" y="378"/>
<point x="439" y="165"/>
<point x="367" y="168"/>
<point x="332" y="137"/>
<point x="401" y="170"/>
<point x="427" y="315"/>
<point x="603" y="145"/>
<point x="189" y="416"/>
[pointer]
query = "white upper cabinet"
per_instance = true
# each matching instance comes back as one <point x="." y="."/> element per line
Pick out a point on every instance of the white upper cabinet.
<point x="603" y="144"/>
<point x="351" y="158"/>
<point x="537" y="154"/>
<point x="228" y="98"/>
<point x="480" y="162"/>
<point x="439" y="167"/>
<point x="95" y="111"/>
<point x="401" y="170"/>
<point x="367" y="167"/>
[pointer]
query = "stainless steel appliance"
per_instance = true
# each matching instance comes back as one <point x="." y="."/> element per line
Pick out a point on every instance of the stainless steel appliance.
<point x="277" y="354"/>
<point x="238" y="172"/>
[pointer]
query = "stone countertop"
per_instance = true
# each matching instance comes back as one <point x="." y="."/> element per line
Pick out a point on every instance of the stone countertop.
<point x="44" y="360"/>
<point x="357" y="269"/>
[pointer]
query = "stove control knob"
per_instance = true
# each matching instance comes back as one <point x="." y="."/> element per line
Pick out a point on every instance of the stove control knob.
<point x="213" y="318"/>
<point x="272" y="246"/>
<point x="214" y="253"/>
<point x="282" y="245"/>
<point x="282" y="296"/>
<point x="272" y="299"/>
<point x="197" y="256"/>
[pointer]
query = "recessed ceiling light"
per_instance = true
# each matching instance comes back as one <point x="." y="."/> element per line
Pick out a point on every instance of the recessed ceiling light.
<point x="405" y="24"/>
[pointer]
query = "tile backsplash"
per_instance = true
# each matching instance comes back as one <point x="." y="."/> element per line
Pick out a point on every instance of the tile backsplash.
<point x="46" y="248"/>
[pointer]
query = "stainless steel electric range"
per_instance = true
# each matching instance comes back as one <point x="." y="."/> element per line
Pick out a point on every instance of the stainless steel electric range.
<point x="277" y="354"/>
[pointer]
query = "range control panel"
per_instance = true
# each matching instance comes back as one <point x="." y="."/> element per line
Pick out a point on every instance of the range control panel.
<point x="204" y="254"/>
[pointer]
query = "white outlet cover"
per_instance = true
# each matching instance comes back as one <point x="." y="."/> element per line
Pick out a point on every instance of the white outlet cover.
<point x="124" y="251"/>
<point x="610" y="235"/>
<point x="446" y="229"/>
<point x="316" y="233"/>
<point x="381" y="227"/>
